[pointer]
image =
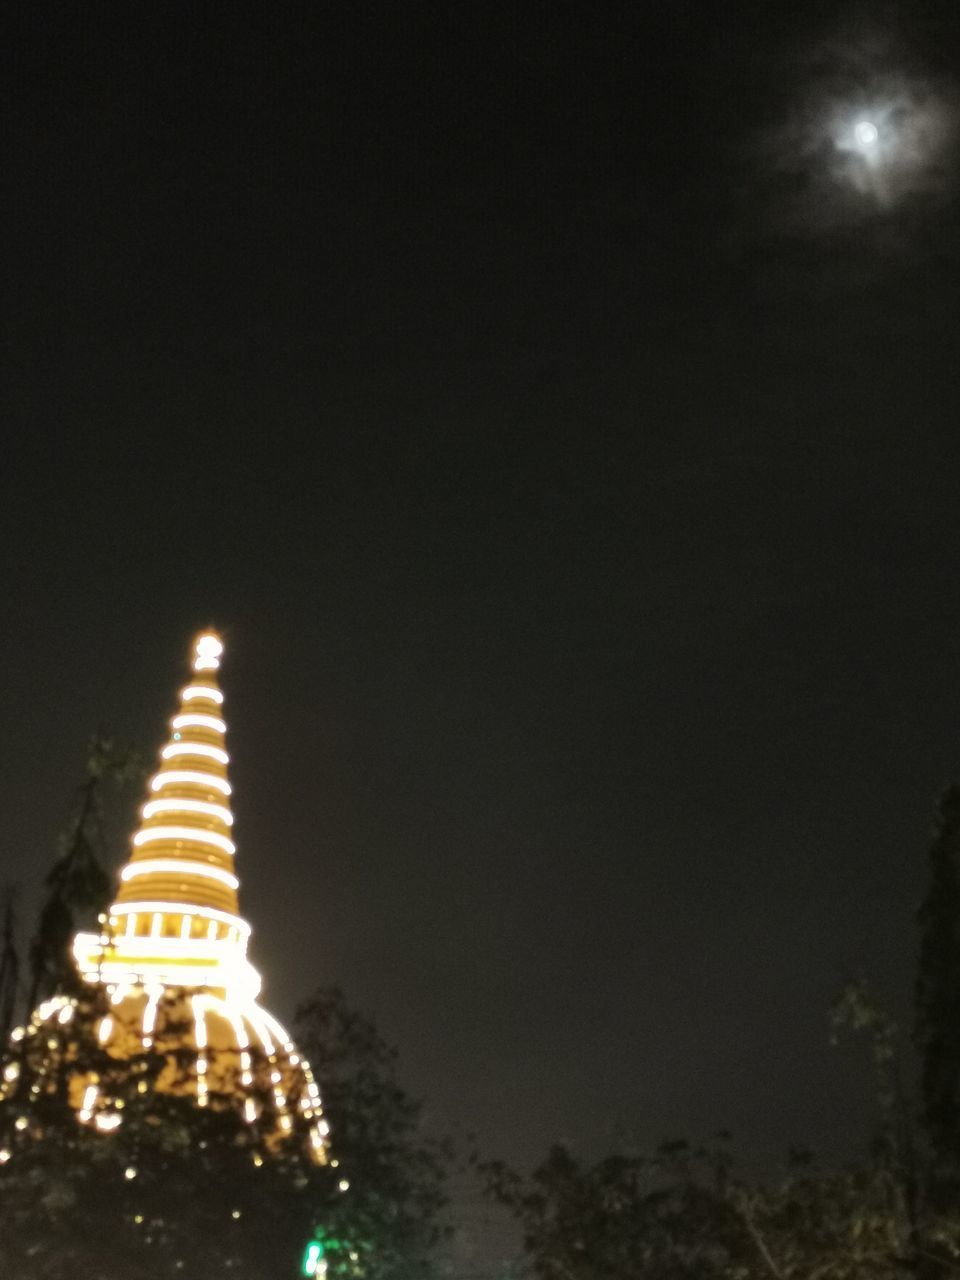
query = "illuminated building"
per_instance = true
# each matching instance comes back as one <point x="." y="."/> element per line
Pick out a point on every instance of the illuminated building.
<point x="170" y="959"/>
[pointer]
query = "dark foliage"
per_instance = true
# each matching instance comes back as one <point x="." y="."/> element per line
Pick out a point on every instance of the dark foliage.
<point x="396" y="1172"/>
<point x="682" y="1214"/>
<point x="937" y="1030"/>
<point x="78" y="886"/>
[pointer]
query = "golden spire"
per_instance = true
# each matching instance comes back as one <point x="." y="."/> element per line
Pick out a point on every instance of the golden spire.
<point x="176" y="917"/>
<point x="172" y="951"/>
<point x="183" y="850"/>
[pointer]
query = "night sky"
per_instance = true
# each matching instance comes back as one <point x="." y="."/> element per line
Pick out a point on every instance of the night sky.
<point x="560" y="421"/>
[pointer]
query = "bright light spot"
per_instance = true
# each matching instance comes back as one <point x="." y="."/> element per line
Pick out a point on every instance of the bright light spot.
<point x="343" y="1184"/>
<point x="866" y="134"/>
<point x="130" y="1173"/>
<point x="208" y="650"/>
<point x="312" y="1259"/>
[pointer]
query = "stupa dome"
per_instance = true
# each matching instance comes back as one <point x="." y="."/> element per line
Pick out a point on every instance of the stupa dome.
<point x="169" y="968"/>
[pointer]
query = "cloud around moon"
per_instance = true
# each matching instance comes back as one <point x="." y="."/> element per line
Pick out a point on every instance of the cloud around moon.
<point x="866" y="133"/>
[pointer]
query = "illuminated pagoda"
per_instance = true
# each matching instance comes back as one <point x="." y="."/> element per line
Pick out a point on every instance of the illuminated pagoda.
<point x="170" y="962"/>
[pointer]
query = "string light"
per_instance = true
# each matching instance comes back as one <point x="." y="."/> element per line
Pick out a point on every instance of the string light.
<point x="194" y="691"/>
<point x="198" y="720"/>
<point x="206" y="913"/>
<point x="189" y="777"/>
<point x="182" y="805"/>
<point x="155" y="835"/>
<point x="177" y="866"/>
<point x="194" y="749"/>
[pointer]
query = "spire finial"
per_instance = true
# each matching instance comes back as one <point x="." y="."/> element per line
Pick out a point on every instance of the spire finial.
<point x="207" y="651"/>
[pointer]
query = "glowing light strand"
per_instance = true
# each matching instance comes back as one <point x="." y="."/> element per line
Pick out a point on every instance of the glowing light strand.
<point x="195" y="691"/>
<point x="197" y="720"/>
<point x="178" y="866"/>
<point x="181" y="804"/>
<point x="194" y="749"/>
<point x="194" y="835"/>
<point x="177" y="908"/>
<point x="189" y="777"/>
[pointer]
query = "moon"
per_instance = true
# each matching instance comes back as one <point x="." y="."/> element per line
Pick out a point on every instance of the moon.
<point x="866" y="134"/>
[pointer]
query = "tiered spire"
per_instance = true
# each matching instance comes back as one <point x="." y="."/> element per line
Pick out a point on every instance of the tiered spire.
<point x="172" y="950"/>
<point x="176" y="918"/>
<point x="183" y="851"/>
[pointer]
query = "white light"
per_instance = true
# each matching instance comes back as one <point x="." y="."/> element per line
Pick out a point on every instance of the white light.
<point x="65" y="1014"/>
<point x="209" y="646"/>
<point x="343" y="1184"/>
<point x="205" y="913"/>
<point x="196" y="720"/>
<point x="207" y="650"/>
<point x="257" y="1018"/>
<point x="106" y="1026"/>
<point x="179" y="805"/>
<point x="173" y="777"/>
<point x="186" y="924"/>
<point x="197" y="835"/>
<point x="4" y="1156"/>
<point x="178" y="866"/>
<point x="194" y="691"/>
<point x="866" y="134"/>
<point x="11" y="1071"/>
<point x="275" y="1027"/>
<point x="250" y="1110"/>
<point x="89" y="1097"/>
<point x="150" y="1012"/>
<point x="199" y="1024"/>
<point x="106" y="1123"/>
<point x="130" y="1173"/>
<point x="194" y="749"/>
<point x="228" y="1010"/>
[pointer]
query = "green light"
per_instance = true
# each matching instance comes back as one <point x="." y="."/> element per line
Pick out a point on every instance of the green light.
<point x="311" y="1259"/>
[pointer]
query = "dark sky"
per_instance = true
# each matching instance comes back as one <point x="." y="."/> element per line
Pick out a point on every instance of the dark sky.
<point x="562" y="426"/>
